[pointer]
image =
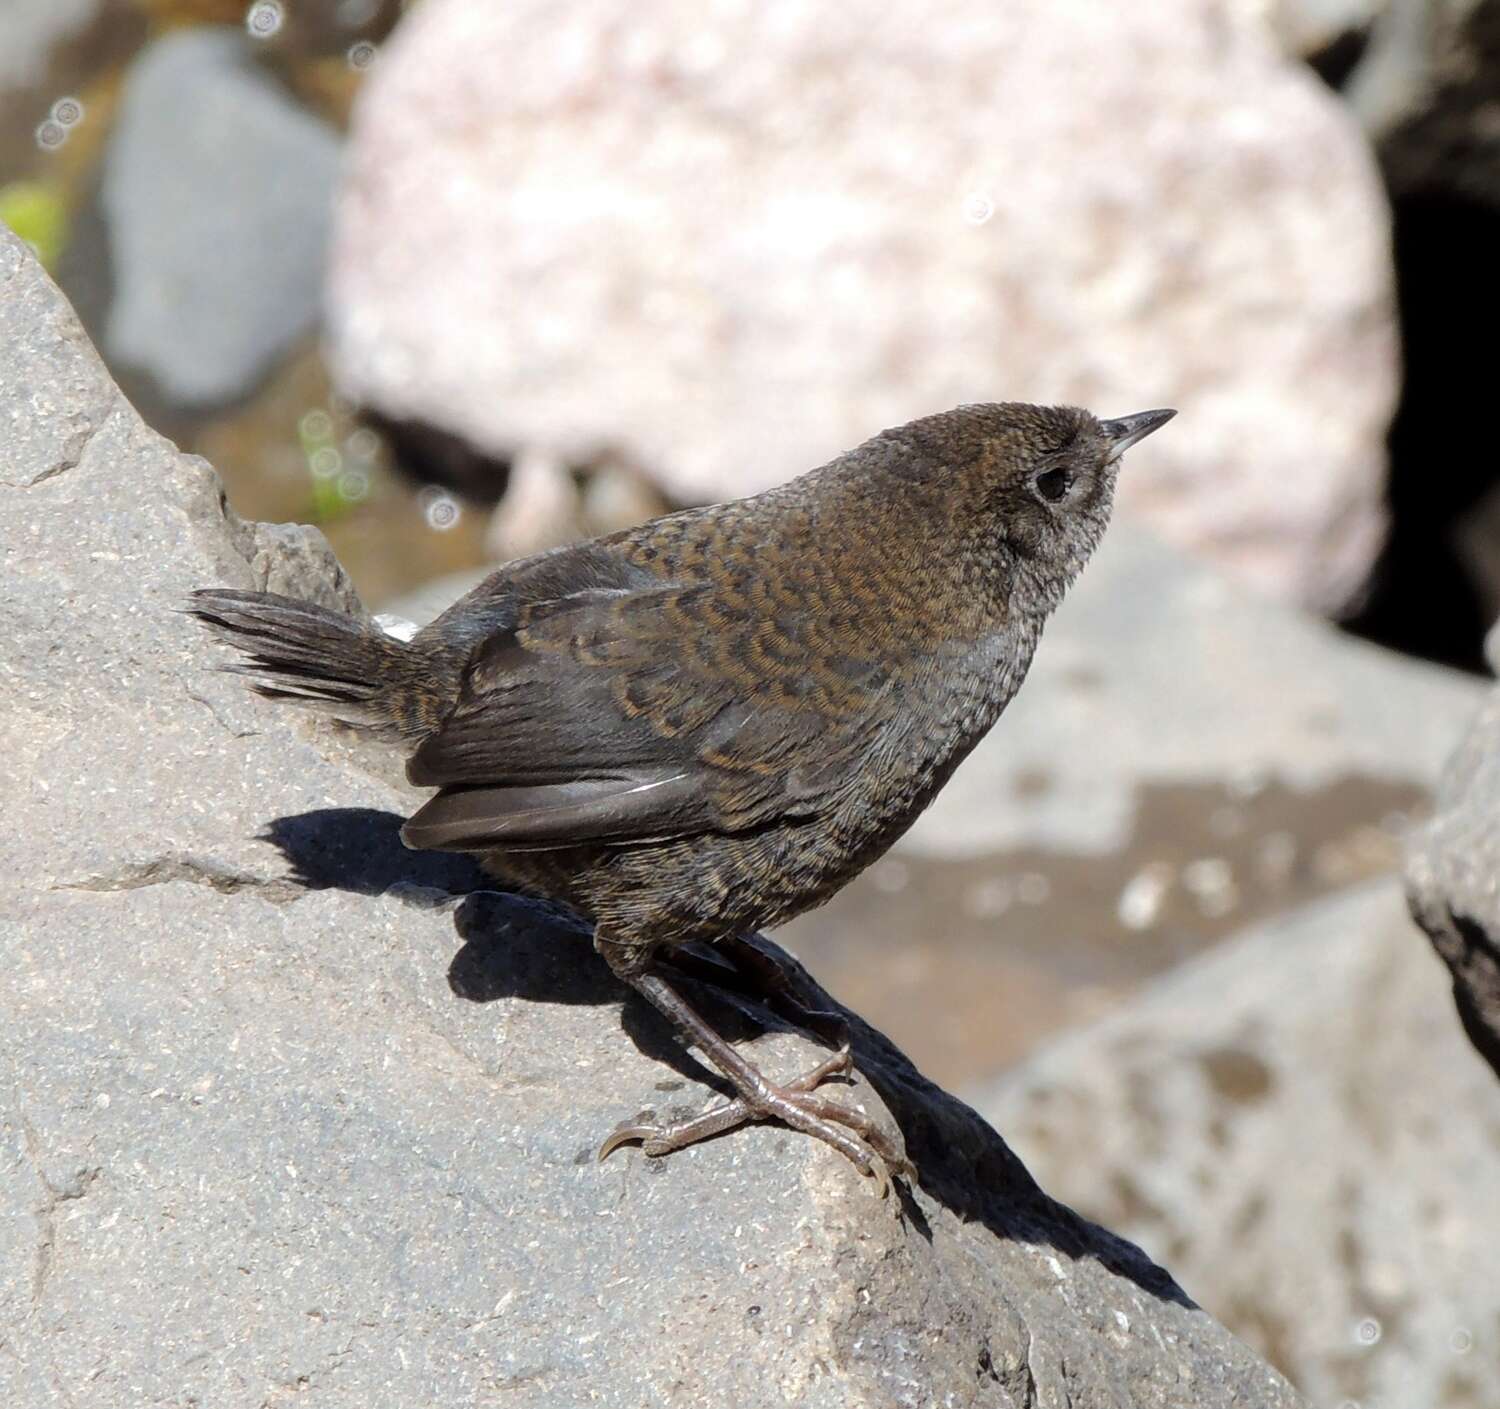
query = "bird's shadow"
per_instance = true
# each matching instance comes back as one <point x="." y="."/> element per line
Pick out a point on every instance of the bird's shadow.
<point x="513" y="946"/>
<point x="521" y="947"/>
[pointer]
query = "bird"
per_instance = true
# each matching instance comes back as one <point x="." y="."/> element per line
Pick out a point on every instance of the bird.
<point x="700" y="727"/>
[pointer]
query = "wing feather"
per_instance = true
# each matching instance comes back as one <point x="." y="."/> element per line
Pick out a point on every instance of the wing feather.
<point x="620" y="716"/>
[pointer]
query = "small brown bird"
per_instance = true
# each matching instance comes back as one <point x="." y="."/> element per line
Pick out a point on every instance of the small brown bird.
<point x="710" y="723"/>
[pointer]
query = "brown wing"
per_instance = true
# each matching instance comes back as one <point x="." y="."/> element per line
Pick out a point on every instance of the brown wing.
<point x="621" y="716"/>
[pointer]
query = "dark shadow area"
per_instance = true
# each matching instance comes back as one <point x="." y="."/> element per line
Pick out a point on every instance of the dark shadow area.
<point x="1475" y="965"/>
<point x="1337" y="59"/>
<point x="515" y="946"/>
<point x="512" y="946"/>
<point x="359" y="849"/>
<point x="427" y="454"/>
<point x="1422" y="600"/>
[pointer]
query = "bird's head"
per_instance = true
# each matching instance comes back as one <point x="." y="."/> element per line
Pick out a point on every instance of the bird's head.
<point x="1037" y="482"/>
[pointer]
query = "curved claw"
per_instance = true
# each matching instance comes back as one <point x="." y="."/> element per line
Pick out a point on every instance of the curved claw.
<point x="863" y="1143"/>
<point x="623" y="1134"/>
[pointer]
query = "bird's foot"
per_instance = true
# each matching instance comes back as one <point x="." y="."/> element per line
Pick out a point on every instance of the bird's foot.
<point x="851" y="1132"/>
<point x="795" y="1104"/>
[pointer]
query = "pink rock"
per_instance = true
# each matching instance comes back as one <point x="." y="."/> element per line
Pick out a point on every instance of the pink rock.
<point x="732" y="240"/>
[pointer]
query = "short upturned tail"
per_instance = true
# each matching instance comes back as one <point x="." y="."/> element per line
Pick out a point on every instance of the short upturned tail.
<point x="312" y="656"/>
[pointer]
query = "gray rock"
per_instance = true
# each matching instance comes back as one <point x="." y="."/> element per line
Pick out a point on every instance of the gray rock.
<point x="217" y="193"/>
<point x="1296" y="1123"/>
<point x="1453" y="879"/>
<point x="32" y="31"/>
<point x="265" y="1131"/>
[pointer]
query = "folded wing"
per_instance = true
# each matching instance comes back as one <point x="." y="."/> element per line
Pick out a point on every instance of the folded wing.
<point x="631" y="715"/>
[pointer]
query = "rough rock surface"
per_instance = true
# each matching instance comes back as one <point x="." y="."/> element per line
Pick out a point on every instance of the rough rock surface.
<point x="736" y="244"/>
<point x="217" y="196"/>
<point x="1297" y="1125"/>
<point x="265" y="1132"/>
<point x="1453" y="875"/>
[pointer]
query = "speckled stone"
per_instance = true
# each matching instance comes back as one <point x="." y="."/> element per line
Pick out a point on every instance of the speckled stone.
<point x="1295" y="1123"/>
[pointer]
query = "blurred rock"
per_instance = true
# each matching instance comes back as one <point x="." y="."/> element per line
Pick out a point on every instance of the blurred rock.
<point x="1393" y="60"/>
<point x="216" y="195"/>
<point x="617" y="496"/>
<point x="32" y="29"/>
<point x="1308" y="28"/>
<point x="433" y="598"/>
<point x="547" y="503"/>
<point x="1297" y="1125"/>
<point x="541" y="508"/>
<point x="265" y="1133"/>
<point x="1418" y="55"/>
<point x="1453" y="879"/>
<point x="1175" y="675"/>
<point x="1424" y="82"/>
<point x="735" y="246"/>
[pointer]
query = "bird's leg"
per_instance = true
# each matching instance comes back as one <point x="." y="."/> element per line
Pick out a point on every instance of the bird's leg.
<point x="795" y="1104"/>
<point x="759" y="976"/>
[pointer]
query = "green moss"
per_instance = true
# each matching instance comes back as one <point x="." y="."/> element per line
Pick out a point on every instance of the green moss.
<point x="37" y="213"/>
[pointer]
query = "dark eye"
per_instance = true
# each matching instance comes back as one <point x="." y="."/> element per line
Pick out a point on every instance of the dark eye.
<point x="1053" y="484"/>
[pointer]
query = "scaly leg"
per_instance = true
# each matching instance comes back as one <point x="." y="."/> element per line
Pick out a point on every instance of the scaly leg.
<point x="795" y="1104"/>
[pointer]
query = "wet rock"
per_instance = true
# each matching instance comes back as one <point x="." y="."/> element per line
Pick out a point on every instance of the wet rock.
<point x="1296" y="1124"/>
<point x="1453" y="878"/>
<point x="284" y="1113"/>
<point x="826" y="225"/>
<point x="216" y="194"/>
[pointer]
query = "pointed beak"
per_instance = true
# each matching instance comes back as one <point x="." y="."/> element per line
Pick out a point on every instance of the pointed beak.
<point x="1124" y="432"/>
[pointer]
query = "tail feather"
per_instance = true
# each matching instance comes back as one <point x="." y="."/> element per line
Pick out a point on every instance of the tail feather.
<point x="309" y="655"/>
